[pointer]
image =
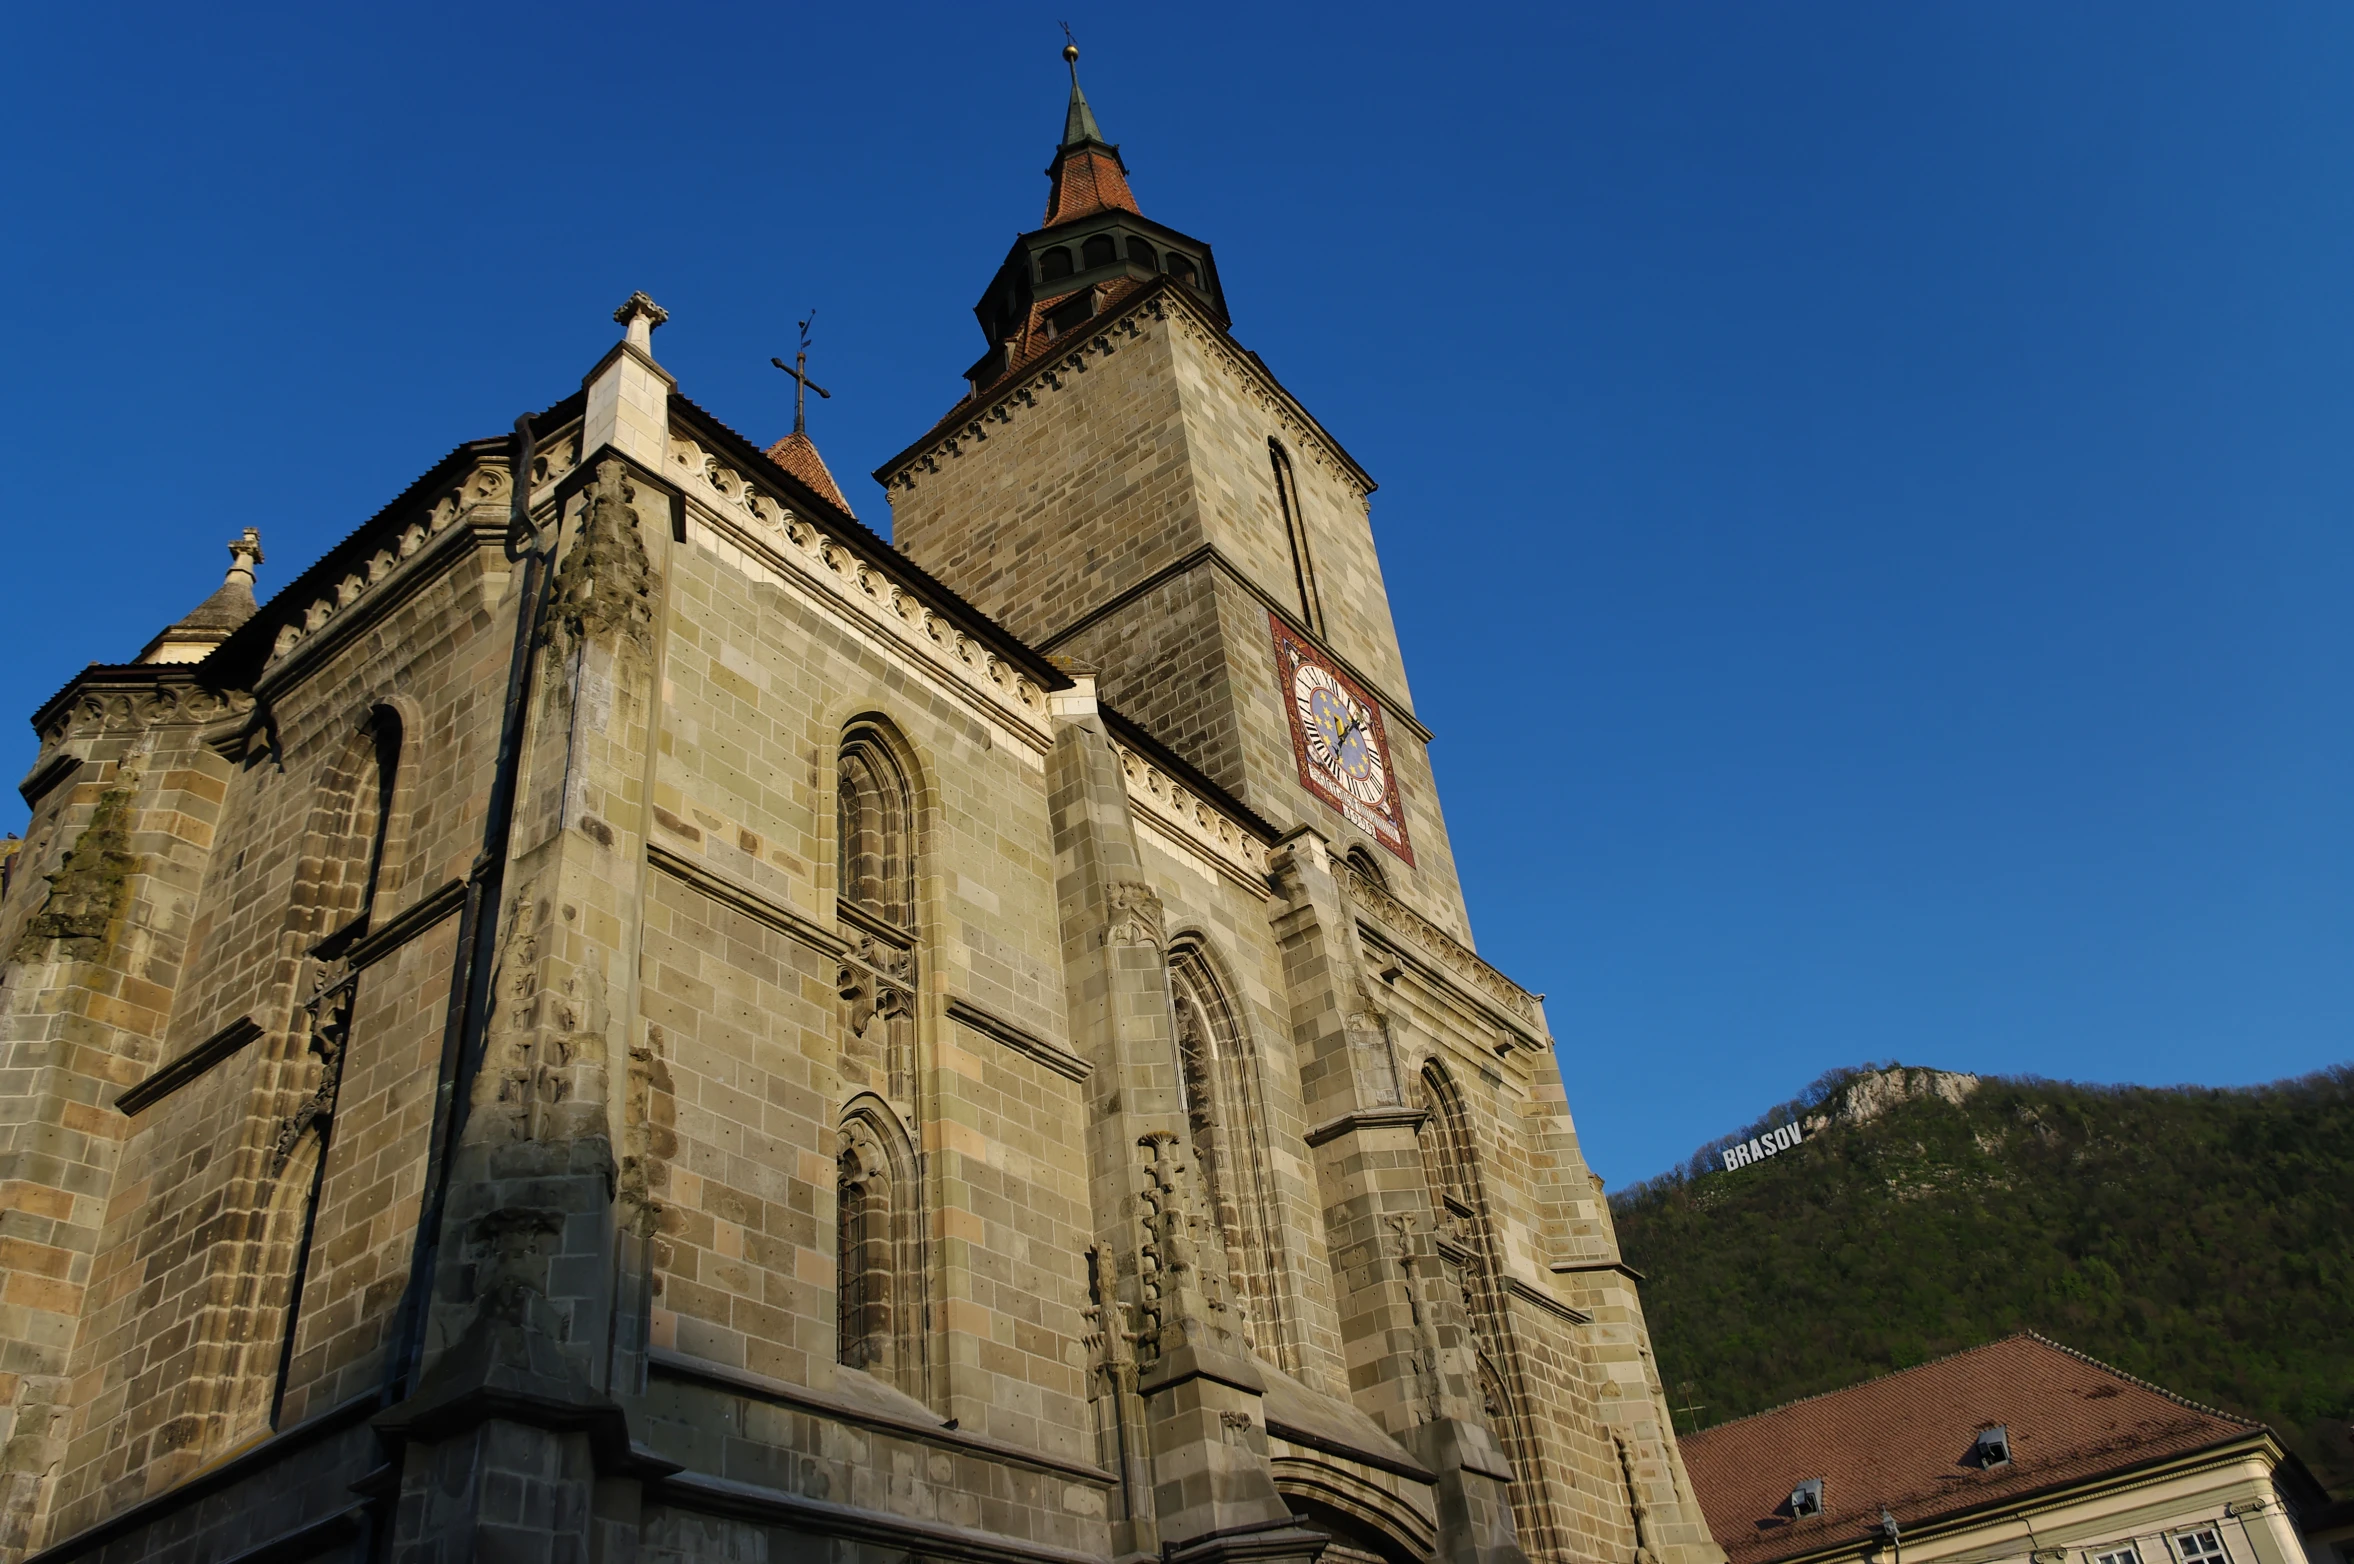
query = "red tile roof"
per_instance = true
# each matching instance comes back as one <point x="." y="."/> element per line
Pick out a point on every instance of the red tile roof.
<point x="1034" y="342"/>
<point x="1906" y="1441"/>
<point x="1087" y="179"/>
<point x="797" y="454"/>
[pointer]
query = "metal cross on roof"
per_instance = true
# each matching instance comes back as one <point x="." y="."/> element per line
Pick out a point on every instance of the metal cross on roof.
<point x="802" y="384"/>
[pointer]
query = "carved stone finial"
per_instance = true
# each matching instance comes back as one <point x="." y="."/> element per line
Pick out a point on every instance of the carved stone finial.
<point x="639" y="315"/>
<point x="244" y="554"/>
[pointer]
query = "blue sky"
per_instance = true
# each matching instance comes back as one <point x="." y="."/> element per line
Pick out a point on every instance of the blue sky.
<point x="1865" y="488"/>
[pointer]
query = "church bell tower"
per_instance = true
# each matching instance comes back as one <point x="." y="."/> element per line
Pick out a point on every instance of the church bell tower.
<point x="1127" y="486"/>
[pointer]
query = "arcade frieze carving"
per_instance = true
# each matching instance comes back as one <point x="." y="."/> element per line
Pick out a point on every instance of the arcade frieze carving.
<point x="116" y="709"/>
<point x="782" y="537"/>
<point x="485" y="486"/>
<point x="1429" y="938"/>
<point x="1169" y="802"/>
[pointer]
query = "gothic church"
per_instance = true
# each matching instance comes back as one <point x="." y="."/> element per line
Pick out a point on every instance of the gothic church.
<point x="618" y="1015"/>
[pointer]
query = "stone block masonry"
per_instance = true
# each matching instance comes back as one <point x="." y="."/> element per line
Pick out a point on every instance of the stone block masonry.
<point x="619" y="1015"/>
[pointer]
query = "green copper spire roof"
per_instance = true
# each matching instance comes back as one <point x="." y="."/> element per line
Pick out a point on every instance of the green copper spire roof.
<point x="1079" y="125"/>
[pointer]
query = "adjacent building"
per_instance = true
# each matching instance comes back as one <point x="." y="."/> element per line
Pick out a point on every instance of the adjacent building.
<point x="2019" y="1452"/>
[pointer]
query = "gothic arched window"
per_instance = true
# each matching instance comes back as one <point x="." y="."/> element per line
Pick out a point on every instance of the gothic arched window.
<point x="877" y="869"/>
<point x="1226" y="1115"/>
<point x="876" y="903"/>
<point x="1099" y="250"/>
<point x="351" y="833"/>
<point x="879" y="1278"/>
<point x="1367" y="867"/>
<point x="1295" y="526"/>
<point x="1450" y="1165"/>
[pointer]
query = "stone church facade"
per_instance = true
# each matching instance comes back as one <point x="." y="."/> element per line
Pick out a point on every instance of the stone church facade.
<point x="619" y="1015"/>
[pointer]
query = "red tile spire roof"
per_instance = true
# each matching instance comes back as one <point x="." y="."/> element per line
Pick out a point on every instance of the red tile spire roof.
<point x="1087" y="172"/>
<point x="797" y="454"/>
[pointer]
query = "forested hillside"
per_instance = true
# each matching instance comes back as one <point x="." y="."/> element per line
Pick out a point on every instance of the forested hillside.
<point x="2201" y="1239"/>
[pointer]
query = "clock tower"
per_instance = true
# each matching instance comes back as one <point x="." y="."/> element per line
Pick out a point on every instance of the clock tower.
<point x="1126" y="486"/>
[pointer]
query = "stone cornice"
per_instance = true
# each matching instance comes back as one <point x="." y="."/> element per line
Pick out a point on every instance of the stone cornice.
<point x="1531" y="1293"/>
<point x="411" y="553"/>
<point x="1211" y="554"/>
<point x="168" y="1078"/>
<point x="755" y="531"/>
<point x="228" y="1472"/>
<point x="1166" y="799"/>
<point x="349" y="570"/>
<point x="672" y="1364"/>
<point x="734" y="894"/>
<point x="756" y="477"/>
<point x="109" y="698"/>
<point x="1408" y="1119"/>
<point x="1054" y="1056"/>
<point x="1402" y="928"/>
<point x="1307" y="434"/>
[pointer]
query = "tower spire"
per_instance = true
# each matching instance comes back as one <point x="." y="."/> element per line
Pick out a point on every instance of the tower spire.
<point x="1087" y="172"/>
<point x="1079" y="123"/>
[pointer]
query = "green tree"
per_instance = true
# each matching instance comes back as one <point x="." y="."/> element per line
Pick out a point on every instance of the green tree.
<point x="2197" y="1238"/>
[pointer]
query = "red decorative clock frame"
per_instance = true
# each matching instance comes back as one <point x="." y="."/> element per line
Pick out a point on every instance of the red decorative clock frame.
<point x="1382" y="818"/>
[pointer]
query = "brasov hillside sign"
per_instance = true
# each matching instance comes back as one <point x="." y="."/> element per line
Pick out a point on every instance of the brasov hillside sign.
<point x="1762" y="1147"/>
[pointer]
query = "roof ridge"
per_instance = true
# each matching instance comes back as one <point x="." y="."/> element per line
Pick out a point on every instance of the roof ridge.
<point x="1822" y="1395"/>
<point x="2135" y="1379"/>
<point x="1987" y="1346"/>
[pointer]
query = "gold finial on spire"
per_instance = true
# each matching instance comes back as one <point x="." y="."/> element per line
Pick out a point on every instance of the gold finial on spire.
<point x="1070" y="51"/>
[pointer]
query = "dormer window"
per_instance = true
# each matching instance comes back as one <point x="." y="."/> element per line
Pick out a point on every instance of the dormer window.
<point x="1071" y="313"/>
<point x="1994" y="1446"/>
<point x="1807" y="1499"/>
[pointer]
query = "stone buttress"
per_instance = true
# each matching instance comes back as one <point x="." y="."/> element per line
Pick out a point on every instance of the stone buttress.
<point x="620" y="1015"/>
<point x="1178" y="1397"/>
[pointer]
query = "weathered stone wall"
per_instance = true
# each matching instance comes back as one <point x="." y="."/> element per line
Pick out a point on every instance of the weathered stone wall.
<point x="97" y="933"/>
<point x="175" y="1348"/>
<point x="1123" y="512"/>
<point x="701" y="1049"/>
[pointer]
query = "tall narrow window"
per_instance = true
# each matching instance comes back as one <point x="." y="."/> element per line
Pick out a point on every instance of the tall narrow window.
<point x="876" y="906"/>
<point x="352" y="828"/>
<point x="1450" y="1165"/>
<point x="1226" y="1115"/>
<point x="1295" y="526"/>
<point x="384" y="731"/>
<point x="878" y="864"/>
<point x="879" y="1282"/>
<point x="880" y="1322"/>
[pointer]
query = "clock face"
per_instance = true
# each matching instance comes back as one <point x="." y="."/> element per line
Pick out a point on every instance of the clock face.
<point x="1340" y="737"/>
<point x="1337" y="734"/>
